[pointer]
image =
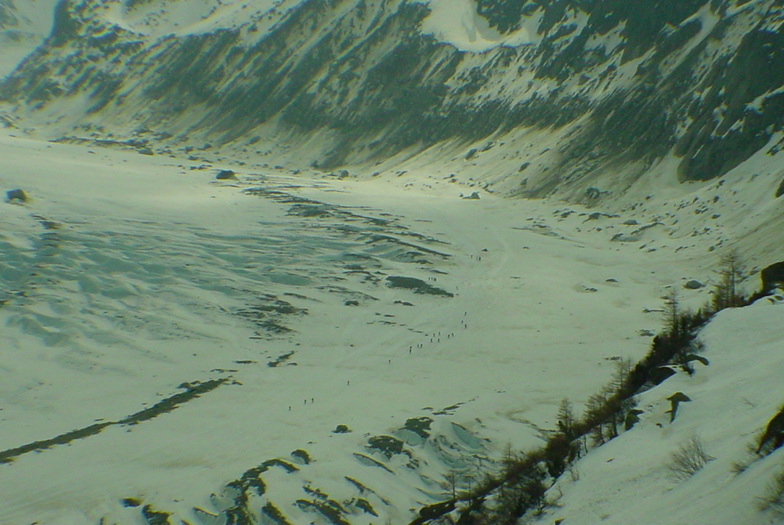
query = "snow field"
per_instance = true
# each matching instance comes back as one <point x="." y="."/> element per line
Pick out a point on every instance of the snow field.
<point x="150" y="262"/>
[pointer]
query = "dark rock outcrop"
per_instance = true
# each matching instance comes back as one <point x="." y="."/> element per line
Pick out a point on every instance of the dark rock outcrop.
<point x="658" y="375"/>
<point x="417" y="285"/>
<point x="225" y="175"/>
<point x="772" y="277"/>
<point x="773" y="437"/>
<point x="16" y="195"/>
<point x="693" y="285"/>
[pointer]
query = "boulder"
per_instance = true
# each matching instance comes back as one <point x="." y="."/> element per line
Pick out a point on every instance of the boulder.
<point x="474" y="196"/>
<point x="16" y="195"/>
<point x="225" y="175"/>
<point x="693" y="285"/>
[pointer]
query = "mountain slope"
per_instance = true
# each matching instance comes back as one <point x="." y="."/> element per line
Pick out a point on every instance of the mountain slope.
<point x="205" y="321"/>
<point x="359" y="81"/>
<point x="23" y="26"/>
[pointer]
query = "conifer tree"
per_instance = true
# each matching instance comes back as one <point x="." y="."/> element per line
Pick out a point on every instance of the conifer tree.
<point x="725" y="293"/>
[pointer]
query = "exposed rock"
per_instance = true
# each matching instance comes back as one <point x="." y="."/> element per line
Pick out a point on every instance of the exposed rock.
<point x="419" y="425"/>
<point x="593" y="193"/>
<point x="431" y="512"/>
<point x="225" y="174"/>
<point x="773" y="437"/>
<point x="693" y="285"/>
<point x="658" y="375"/>
<point x="772" y="277"/>
<point x="694" y="357"/>
<point x="153" y="517"/>
<point x="624" y="237"/>
<point x="301" y="456"/>
<point x="387" y="445"/>
<point x="780" y="190"/>
<point x="16" y="195"/>
<point x="632" y="418"/>
<point x="274" y="514"/>
<point x="365" y="506"/>
<point x="595" y="216"/>
<point x="675" y="400"/>
<point x="417" y="285"/>
<point x="474" y="196"/>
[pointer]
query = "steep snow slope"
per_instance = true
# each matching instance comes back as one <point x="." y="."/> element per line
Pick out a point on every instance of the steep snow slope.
<point x="24" y="24"/>
<point x="631" y="479"/>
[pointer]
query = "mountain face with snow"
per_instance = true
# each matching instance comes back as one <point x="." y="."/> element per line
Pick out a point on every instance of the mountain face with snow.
<point x="23" y="26"/>
<point x="241" y="282"/>
<point x="359" y="81"/>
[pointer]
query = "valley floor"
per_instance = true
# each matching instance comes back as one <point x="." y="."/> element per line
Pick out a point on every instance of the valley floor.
<point x="209" y="326"/>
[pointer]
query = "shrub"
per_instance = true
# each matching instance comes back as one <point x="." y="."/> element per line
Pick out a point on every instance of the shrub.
<point x="689" y="459"/>
<point x="774" y="500"/>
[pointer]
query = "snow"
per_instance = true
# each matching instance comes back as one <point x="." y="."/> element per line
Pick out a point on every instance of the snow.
<point x="457" y="23"/>
<point x="194" y="16"/>
<point x="124" y="274"/>
<point x="34" y="19"/>
<point x="732" y="400"/>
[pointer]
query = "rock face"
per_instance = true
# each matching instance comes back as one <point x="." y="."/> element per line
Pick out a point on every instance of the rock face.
<point x="698" y="78"/>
